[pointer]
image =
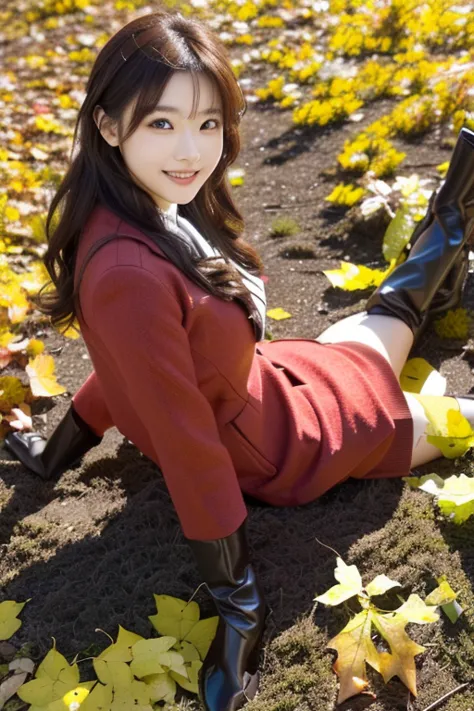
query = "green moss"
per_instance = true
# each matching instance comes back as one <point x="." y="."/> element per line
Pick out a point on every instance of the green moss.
<point x="298" y="667"/>
<point x="461" y="701"/>
<point x="283" y="227"/>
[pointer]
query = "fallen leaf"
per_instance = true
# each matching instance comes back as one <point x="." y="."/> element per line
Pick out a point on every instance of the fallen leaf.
<point x="42" y="379"/>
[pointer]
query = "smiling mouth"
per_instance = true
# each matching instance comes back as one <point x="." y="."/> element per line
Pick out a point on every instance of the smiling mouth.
<point x="189" y="175"/>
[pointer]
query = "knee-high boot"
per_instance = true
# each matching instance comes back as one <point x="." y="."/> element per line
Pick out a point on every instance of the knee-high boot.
<point x="438" y="259"/>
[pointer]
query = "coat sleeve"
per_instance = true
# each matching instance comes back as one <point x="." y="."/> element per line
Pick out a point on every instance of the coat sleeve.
<point x="90" y="405"/>
<point x="140" y="324"/>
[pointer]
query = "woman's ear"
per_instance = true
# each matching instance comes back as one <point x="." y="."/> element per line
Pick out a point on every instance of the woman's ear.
<point x="106" y="126"/>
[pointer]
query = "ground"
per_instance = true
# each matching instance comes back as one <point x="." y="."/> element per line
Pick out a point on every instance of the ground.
<point x="91" y="550"/>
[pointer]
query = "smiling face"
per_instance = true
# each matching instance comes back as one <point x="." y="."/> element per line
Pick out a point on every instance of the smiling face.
<point x="171" y="141"/>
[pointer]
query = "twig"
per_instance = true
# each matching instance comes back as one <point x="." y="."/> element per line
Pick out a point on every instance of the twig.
<point x="446" y="696"/>
<point x="328" y="547"/>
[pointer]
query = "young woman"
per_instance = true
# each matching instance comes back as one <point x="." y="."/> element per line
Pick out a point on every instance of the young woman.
<point x="172" y="310"/>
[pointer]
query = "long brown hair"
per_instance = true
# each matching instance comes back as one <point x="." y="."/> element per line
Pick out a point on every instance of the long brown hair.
<point x="98" y="174"/>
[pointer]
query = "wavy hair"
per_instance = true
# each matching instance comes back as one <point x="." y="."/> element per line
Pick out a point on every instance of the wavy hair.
<point x="97" y="172"/>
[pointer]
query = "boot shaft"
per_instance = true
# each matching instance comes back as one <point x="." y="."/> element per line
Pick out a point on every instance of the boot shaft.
<point x="454" y="203"/>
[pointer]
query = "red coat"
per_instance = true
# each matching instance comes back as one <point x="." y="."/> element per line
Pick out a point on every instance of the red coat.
<point x="179" y="373"/>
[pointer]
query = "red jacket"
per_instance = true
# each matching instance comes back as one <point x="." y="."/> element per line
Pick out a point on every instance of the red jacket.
<point x="179" y="373"/>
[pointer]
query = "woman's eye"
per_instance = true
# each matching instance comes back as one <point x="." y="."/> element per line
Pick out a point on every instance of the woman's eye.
<point x="166" y="121"/>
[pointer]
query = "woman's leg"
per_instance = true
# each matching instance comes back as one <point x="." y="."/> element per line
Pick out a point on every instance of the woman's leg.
<point x="423" y="451"/>
<point x="393" y="339"/>
<point x="390" y="336"/>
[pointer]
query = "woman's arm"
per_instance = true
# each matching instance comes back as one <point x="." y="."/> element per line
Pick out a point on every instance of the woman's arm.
<point x="139" y="322"/>
<point x="90" y="405"/>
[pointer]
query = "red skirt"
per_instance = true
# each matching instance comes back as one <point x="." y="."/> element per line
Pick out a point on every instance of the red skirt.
<point x="328" y="412"/>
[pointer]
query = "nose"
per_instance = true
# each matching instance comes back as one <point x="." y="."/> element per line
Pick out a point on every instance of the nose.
<point x="187" y="147"/>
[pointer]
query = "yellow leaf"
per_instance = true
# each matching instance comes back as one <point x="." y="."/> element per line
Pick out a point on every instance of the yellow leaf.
<point x="417" y="610"/>
<point x="190" y="684"/>
<point x="121" y="650"/>
<point x="352" y="277"/>
<point x="354" y="648"/>
<point x="448" y="429"/>
<point x="350" y="584"/>
<point x="442" y="168"/>
<point x="181" y="620"/>
<point x="380" y="584"/>
<point x="113" y="672"/>
<point x="278" y="314"/>
<point x="9" y="624"/>
<point x="12" y="392"/>
<point x="455" y="495"/>
<point x="441" y="595"/>
<point x="147" y="655"/>
<point x="111" y="665"/>
<point x="136" y="696"/>
<point x="71" y="332"/>
<point x="162" y="687"/>
<point x="54" y="678"/>
<point x="42" y="379"/>
<point x="12" y="214"/>
<point x="401" y="659"/>
<point x="74" y="699"/>
<point x="34" y="348"/>
<point x="175" y="617"/>
<point x="418" y="375"/>
<point x="202" y="635"/>
<point x="99" y="699"/>
<point x="188" y="651"/>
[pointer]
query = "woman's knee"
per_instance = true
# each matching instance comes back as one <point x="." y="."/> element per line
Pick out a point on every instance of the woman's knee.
<point x="388" y="336"/>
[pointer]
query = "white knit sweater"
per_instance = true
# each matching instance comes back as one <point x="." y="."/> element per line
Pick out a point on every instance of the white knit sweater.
<point x="254" y="284"/>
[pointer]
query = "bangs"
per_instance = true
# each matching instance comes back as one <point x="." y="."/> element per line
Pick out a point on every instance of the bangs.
<point x="150" y="80"/>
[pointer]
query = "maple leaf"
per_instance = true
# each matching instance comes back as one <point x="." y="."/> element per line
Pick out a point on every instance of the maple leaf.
<point x="354" y="644"/>
<point x="9" y="624"/>
<point x="455" y="495"/>
<point x="151" y="656"/>
<point x="445" y="597"/>
<point x="53" y="679"/>
<point x="190" y="684"/>
<point x="180" y="619"/>
<point x="398" y="233"/>
<point x="352" y="277"/>
<point x="354" y="648"/>
<point x="42" y="379"/>
<point x="400" y="661"/>
<point x="350" y="584"/>
<point x="111" y="666"/>
<point x="447" y="428"/>
<point x="162" y="687"/>
<point x="99" y="699"/>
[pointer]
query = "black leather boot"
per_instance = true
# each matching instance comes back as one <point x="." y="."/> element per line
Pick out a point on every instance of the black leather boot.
<point x="229" y="675"/>
<point x="439" y="250"/>
<point x="449" y="294"/>
<point x="49" y="458"/>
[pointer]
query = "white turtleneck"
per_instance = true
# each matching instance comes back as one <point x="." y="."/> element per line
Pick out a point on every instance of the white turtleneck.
<point x="254" y="284"/>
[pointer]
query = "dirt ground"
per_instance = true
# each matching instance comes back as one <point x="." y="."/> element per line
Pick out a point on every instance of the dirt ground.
<point x="91" y="550"/>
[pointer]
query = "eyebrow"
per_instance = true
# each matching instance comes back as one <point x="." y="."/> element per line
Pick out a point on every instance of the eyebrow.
<point x="174" y="110"/>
